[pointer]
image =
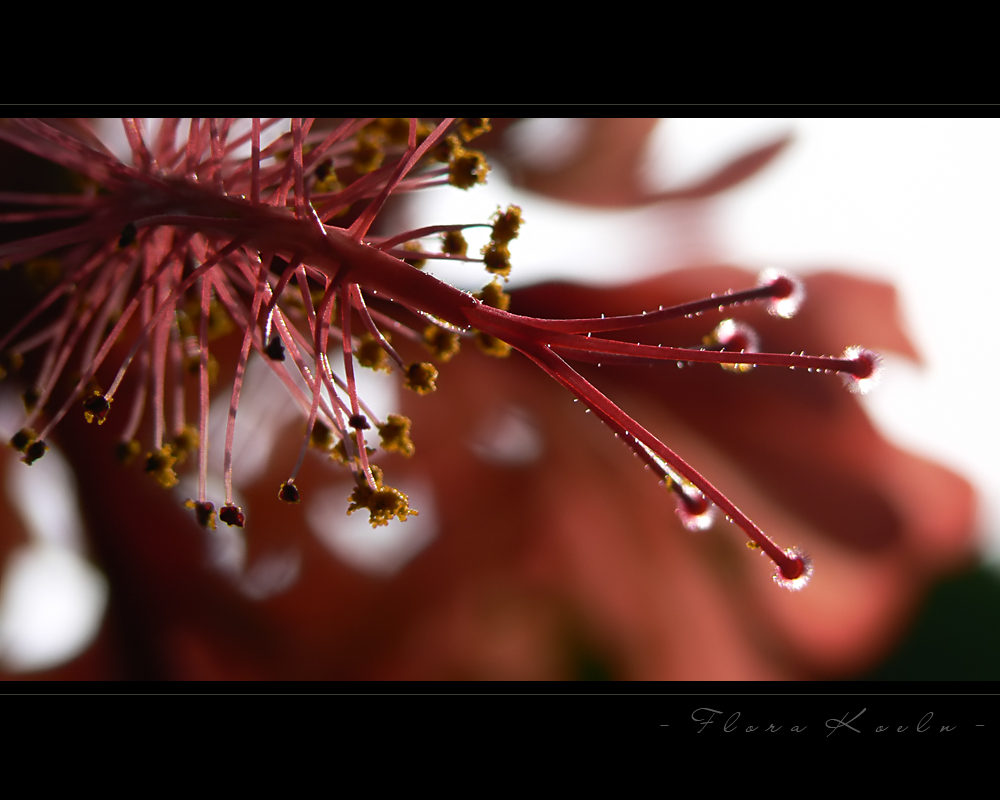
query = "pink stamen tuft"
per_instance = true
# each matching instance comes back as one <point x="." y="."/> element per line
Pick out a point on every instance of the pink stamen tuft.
<point x="170" y="253"/>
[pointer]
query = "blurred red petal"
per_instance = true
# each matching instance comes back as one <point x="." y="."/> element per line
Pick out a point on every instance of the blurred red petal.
<point x="605" y="168"/>
<point x="727" y="176"/>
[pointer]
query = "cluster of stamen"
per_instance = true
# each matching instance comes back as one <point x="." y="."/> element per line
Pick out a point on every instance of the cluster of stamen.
<point x="192" y="241"/>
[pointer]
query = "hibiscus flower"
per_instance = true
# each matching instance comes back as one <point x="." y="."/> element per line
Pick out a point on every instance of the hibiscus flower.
<point x="541" y="549"/>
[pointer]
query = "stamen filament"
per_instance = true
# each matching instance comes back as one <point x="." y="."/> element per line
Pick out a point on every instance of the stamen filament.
<point x="631" y="321"/>
<point x="203" y="398"/>
<point x="618" y="420"/>
<point x="502" y="324"/>
<point x="345" y="326"/>
<point x="251" y="326"/>
<point x="408" y="162"/>
<point x="359" y="305"/>
<point x="420" y="233"/>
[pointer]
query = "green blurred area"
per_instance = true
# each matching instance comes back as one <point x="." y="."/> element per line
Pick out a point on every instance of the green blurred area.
<point x="956" y="636"/>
